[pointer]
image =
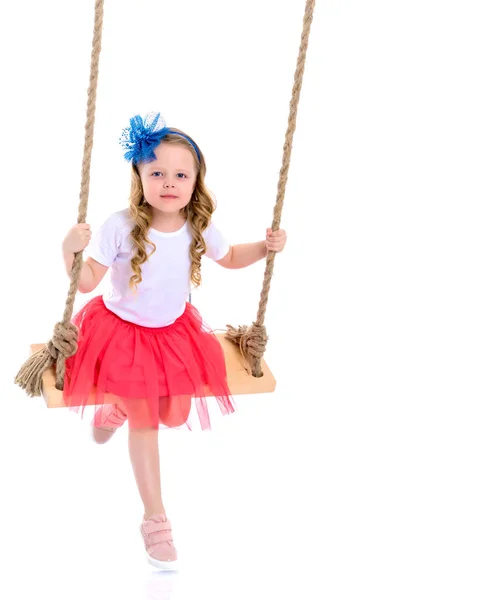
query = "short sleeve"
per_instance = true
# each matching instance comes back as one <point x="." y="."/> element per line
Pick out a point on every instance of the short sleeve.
<point x="105" y="244"/>
<point x="217" y="245"/>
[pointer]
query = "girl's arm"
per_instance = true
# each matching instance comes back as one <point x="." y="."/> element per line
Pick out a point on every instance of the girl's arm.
<point x="244" y="255"/>
<point x="92" y="272"/>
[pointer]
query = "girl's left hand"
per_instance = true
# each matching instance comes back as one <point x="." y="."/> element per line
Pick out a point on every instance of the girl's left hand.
<point x="275" y="240"/>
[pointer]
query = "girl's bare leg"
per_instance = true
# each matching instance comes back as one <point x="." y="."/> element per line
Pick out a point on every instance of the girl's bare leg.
<point x="143" y="446"/>
<point x="145" y="460"/>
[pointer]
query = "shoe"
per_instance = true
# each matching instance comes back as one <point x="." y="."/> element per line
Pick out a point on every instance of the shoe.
<point x="106" y="421"/>
<point x="159" y="546"/>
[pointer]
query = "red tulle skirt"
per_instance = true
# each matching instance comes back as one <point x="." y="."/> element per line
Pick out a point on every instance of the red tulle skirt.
<point x="156" y="374"/>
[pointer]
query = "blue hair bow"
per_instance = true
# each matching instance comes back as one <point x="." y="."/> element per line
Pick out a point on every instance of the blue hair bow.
<point x="143" y="136"/>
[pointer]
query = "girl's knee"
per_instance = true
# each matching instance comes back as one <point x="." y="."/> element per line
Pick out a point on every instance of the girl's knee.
<point x="141" y="416"/>
<point x="144" y="415"/>
<point x="174" y="412"/>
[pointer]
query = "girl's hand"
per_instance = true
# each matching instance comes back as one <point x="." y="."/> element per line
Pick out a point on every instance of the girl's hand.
<point x="275" y="240"/>
<point x="77" y="239"/>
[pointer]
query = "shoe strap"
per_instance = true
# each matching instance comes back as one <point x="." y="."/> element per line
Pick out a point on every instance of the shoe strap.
<point x="156" y="532"/>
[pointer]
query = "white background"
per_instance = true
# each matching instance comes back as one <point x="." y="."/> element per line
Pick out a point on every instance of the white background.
<point x="357" y="478"/>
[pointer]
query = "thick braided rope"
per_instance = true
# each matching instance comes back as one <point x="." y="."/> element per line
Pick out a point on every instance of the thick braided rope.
<point x="64" y="341"/>
<point x="252" y="340"/>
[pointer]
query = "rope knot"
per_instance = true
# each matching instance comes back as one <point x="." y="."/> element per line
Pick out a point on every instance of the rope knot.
<point x="64" y="340"/>
<point x="252" y="344"/>
<point x="255" y="339"/>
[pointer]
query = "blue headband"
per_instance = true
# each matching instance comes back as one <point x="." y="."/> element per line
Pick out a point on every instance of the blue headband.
<point x="143" y="136"/>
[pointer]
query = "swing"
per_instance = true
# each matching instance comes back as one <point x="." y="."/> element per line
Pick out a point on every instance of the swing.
<point x="247" y="372"/>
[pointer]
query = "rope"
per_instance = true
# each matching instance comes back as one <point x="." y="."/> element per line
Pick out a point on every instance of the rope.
<point x="252" y="340"/>
<point x="64" y="341"/>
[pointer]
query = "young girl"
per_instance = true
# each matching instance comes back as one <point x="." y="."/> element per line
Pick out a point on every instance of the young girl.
<point x="142" y="344"/>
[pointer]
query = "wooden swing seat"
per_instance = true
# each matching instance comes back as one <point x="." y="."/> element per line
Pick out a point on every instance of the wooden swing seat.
<point x="239" y="381"/>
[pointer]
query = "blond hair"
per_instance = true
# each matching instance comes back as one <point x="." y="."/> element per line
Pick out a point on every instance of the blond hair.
<point x="197" y="212"/>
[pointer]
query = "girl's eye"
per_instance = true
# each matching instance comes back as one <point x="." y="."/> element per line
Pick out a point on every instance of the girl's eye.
<point x="158" y="173"/>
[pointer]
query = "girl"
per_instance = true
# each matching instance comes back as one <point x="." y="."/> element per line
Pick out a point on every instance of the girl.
<point x="142" y="345"/>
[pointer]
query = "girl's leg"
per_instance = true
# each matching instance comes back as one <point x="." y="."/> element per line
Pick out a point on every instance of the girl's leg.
<point x="145" y="460"/>
<point x="143" y="445"/>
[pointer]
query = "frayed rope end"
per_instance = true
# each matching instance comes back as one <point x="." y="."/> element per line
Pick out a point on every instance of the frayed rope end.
<point x="29" y="377"/>
<point x="62" y="345"/>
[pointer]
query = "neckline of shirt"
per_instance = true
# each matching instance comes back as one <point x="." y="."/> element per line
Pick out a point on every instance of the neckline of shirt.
<point x="169" y="233"/>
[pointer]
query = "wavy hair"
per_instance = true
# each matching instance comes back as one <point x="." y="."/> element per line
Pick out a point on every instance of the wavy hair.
<point x="197" y="212"/>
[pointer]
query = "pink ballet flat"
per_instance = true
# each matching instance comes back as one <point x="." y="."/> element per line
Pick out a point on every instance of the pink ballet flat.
<point x="106" y="421"/>
<point x="159" y="546"/>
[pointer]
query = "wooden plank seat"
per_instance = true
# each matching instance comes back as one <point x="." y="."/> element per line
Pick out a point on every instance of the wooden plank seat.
<point x="239" y="380"/>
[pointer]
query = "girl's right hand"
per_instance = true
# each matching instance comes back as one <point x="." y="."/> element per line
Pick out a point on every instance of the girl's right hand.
<point x="77" y="239"/>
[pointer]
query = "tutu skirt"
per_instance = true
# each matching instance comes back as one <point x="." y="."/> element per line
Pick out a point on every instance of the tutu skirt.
<point x="155" y="374"/>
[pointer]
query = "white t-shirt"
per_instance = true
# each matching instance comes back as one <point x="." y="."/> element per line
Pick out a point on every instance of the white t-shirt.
<point x="161" y="296"/>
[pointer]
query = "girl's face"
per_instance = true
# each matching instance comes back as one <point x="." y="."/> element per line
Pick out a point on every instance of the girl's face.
<point x="169" y="181"/>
